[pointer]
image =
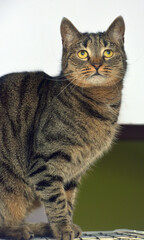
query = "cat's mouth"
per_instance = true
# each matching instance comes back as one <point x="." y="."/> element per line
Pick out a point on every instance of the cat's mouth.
<point x="97" y="78"/>
<point x="97" y="74"/>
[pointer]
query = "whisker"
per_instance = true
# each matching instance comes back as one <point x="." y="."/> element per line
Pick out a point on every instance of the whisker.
<point x="116" y="75"/>
<point x="84" y="72"/>
<point x="73" y="88"/>
<point x="58" y="78"/>
<point x="108" y="68"/>
<point x="66" y="87"/>
<point x="85" y="69"/>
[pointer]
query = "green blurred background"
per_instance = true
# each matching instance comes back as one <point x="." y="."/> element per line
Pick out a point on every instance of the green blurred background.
<point x="111" y="195"/>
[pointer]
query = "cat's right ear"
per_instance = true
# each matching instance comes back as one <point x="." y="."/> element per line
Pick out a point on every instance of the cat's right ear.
<point x="116" y="30"/>
<point x="68" y="32"/>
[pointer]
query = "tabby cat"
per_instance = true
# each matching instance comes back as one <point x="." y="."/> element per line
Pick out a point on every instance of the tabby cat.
<point x="52" y="129"/>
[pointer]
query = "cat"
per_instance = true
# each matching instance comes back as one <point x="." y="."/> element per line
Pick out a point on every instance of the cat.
<point x="52" y="129"/>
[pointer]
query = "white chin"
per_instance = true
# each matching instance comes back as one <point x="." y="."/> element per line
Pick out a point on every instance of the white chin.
<point x="97" y="79"/>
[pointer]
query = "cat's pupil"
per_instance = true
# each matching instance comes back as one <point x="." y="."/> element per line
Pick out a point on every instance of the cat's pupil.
<point x="108" y="52"/>
<point x="82" y="52"/>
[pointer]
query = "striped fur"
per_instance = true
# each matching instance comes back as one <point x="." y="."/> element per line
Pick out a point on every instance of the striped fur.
<point x="53" y="129"/>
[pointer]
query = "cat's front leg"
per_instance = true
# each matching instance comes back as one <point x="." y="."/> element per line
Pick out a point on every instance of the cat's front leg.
<point x="55" y="202"/>
<point x="71" y="191"/>
<point x="51" y="189"/>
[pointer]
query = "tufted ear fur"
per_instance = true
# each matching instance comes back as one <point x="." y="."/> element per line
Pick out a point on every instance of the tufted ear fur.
<point x="116" y="30"/>
<point x="68" y="32"/>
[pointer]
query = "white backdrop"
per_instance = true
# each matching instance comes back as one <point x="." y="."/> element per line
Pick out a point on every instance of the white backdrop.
<point x="30" y="39"/>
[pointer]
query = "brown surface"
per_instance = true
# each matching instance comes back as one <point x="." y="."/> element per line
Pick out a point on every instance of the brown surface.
<point x="131" y="132"/>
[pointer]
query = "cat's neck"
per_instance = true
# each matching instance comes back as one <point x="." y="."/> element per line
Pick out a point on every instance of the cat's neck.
<point x="108" y="94"/>
<point x="104" y="94"/>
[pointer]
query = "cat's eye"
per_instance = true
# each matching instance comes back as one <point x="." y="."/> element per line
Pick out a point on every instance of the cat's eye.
<point x="108" y="53"/>
<point x="83" y="54"/>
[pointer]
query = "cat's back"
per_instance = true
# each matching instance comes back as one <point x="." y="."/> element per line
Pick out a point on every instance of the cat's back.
<point x="20" y="91"/>
<point x="16" y="85"/>
<point x="19" y="99"/>
<point x="20" y="95"/>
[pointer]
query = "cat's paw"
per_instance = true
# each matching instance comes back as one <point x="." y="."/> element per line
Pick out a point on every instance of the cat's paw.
<point x="19" y="233"/>
<point x="26" y="233"/>
<point x="77" y="230"/>
<point x="62" y="231"/>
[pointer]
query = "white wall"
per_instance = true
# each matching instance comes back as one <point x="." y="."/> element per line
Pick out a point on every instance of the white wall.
<point x="30" y="39"/>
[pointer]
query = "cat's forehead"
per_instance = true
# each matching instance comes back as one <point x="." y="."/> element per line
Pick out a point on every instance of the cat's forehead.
<point x="95" y="40"/>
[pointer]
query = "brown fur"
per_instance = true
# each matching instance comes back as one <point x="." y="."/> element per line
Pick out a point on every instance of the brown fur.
<point x="53" y="129"/>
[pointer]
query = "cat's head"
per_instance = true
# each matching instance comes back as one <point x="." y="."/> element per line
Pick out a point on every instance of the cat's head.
<point x="93" y="59"/>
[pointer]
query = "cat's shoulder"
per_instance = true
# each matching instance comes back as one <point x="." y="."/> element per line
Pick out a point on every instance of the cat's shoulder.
<point x="25" y="74"/>
<point x="17" y="78"/>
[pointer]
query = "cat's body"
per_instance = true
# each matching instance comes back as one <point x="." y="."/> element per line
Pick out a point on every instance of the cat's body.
<point x="53" y="129"/>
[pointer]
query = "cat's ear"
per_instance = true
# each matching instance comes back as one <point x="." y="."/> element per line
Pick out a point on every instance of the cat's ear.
<point x="68" y="32"/>
<point x="116" y="30"/>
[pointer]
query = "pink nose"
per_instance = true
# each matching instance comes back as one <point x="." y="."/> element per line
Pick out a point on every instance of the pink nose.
<point x="96" y="65"/>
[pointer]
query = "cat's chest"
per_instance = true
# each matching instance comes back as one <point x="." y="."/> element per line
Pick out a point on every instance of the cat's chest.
<point x="97" y="140"/>
<point x="80" y="133"/>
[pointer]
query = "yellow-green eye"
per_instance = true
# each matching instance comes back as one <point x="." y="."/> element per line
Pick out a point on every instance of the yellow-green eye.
<point x="83" y="54"/>
<point x="108" y="53"/>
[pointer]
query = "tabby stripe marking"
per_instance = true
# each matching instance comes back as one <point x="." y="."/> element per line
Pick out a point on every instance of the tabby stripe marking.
<point x="54" y="190"/>
<point x="5" y="139"/>
<point x="117" y="105"/>
<point x="42" y="184"/>
<point x="70" y="204"/>
<point x="7" y="188"/>
<point x="85" y="42"/>
<point x="105" y="43"/>
<point x="54" y="178"/>
<point x="48" y="182"/>
<point x="54" y="155"/>
<point x="53" y="198"/>
<point x="70" y="124"/>
<point x="71" y="185"/>
<point x="23" y="88"/>
<point x="43" y="81"/>
<point x="60" y="201"/>
<point x="69" y="213"/>
<point x="5" y="136"/>
<point x="115" y="120"/>
<point x="13" y="127"/>
<point x="1" y="216"/>
<point x="64" y="205"/>
<point x="11" y="171"/>
<point x="1" y="180"/>
<point x="63" y="138"/>
<point x="39" y="170"/>
<point x="87" y="109"/>
<point x="66" y="103"/>
<point x="33" y="165"/>
<point x="88" y="97"/>
<point x="60" y="154"/>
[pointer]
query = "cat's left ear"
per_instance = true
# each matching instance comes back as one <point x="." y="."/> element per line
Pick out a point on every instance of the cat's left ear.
<point x="116" y="30"/>
<point x="68" y="32"/>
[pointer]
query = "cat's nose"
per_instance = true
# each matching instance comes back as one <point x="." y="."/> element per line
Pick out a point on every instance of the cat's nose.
<point x="96" y="62"/>
<point x="96" y="65"/>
